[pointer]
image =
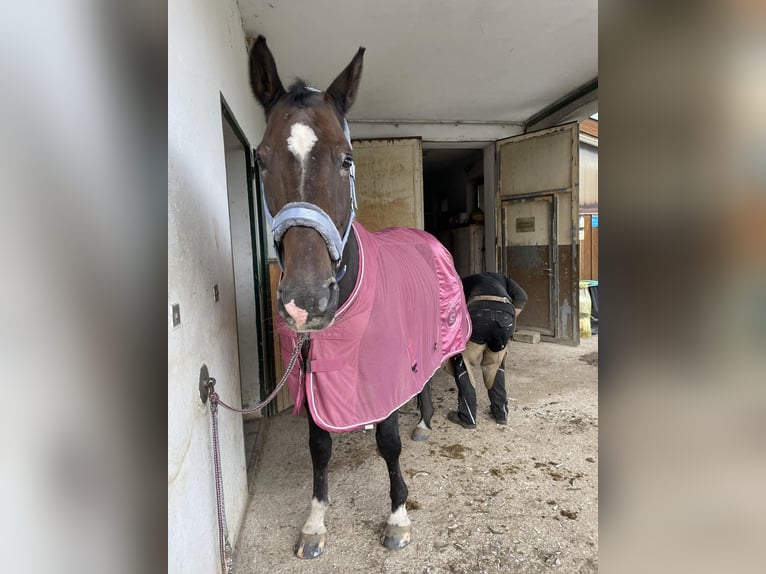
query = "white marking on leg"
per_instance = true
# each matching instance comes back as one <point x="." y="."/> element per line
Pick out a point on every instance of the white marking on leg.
<point x="315" y="522"/>
<point x="399" y="517"/>
<point x="422" y="424"/>
<point x="302" y="139"/>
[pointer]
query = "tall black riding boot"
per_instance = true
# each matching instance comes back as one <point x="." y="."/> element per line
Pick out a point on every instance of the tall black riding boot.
<point x="466" y="394"/>
<point x="498" y="399"/>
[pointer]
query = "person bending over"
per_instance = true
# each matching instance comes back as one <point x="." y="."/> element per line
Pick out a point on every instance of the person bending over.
<point x="494" y="302"/>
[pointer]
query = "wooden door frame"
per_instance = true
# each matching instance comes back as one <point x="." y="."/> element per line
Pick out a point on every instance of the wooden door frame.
<point x="260" y="263"/>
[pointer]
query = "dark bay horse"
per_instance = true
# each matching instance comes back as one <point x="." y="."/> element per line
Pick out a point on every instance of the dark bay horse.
<point x="382" y="310"/>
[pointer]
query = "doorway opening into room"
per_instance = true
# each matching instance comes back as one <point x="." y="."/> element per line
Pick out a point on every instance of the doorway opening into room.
<point x="453" y="198"/>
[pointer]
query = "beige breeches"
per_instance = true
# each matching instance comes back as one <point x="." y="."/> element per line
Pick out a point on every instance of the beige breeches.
<point x="481" y="363"/>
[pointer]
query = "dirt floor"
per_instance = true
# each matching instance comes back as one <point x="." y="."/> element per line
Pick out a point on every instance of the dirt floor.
<point x="516" y="498"/>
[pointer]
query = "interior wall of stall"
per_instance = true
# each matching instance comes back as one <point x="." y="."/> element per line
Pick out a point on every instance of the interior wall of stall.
<point x="207" y="64"/>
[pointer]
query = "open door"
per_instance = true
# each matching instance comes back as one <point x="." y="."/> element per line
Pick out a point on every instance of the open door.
<point x="537" y="207"/>
<point x="389" y="182"/>
<point x="248" y="262"/>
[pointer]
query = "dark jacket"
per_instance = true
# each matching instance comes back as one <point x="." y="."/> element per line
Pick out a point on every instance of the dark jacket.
<point x="496" y="284"/>
<point x="493" y="320"/>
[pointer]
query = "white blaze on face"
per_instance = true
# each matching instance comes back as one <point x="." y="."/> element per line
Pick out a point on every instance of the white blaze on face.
<point x="302" y="139"/>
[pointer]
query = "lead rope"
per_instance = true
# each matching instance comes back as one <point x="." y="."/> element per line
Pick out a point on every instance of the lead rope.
<point x="224" y="547"/>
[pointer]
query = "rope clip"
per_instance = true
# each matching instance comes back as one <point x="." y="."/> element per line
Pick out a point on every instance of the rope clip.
<point x="206" y="386"/>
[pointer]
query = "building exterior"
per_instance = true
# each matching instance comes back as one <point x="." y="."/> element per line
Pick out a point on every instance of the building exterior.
<point x="220" y="272"/>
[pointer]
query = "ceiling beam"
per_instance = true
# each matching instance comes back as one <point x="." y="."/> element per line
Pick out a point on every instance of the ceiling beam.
<point x="563" y="108"/>
<point x="435" y="131"/>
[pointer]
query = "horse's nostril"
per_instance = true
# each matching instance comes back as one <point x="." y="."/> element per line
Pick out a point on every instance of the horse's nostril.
<point x="322" y="303"/>
<point x="331" y="288"/>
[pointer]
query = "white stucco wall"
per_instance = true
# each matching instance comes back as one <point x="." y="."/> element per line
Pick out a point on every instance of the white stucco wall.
<point x="207" y="57"/>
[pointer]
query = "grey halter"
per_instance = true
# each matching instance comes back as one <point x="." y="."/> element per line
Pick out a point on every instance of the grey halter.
<point x="303" y="214"/>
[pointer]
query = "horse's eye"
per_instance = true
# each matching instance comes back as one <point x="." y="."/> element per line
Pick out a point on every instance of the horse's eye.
<point x="348" y="161"/>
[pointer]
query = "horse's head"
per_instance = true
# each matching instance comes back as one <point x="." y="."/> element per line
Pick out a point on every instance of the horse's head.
<point x="307" y="173"/>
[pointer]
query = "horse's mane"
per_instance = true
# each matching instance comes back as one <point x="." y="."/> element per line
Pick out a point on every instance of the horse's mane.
<point x="300" y="95"/>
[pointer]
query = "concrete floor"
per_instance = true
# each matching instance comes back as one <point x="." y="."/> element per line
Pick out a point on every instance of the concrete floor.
<point x="519" y="498"/>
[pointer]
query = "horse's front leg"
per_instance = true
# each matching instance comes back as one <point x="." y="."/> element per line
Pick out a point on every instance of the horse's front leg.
<point x="397" y="532"/>
<point x="314" y="534"/>
<point x="425" y="402"/>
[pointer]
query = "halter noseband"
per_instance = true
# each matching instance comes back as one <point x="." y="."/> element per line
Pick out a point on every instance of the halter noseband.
<point x="303" y="214"/>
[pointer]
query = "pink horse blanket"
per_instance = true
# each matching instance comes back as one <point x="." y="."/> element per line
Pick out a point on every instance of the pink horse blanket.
<point x="405" y="317"/>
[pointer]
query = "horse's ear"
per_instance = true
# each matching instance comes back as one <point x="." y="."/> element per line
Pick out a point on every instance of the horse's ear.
<point x="342" y="92"/>
<point x="264" y="78"/>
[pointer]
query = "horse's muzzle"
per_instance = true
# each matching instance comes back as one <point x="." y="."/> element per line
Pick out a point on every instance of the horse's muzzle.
<point x="308" y="309"/>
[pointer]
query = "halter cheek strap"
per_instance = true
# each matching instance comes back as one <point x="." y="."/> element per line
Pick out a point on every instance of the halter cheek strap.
<point x="303" y="214"/>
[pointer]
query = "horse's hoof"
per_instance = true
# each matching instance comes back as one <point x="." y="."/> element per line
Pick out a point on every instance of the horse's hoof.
<point x="395" y="537"/>
<point x="310" y="545"/>
<point x="421" y="434"/>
